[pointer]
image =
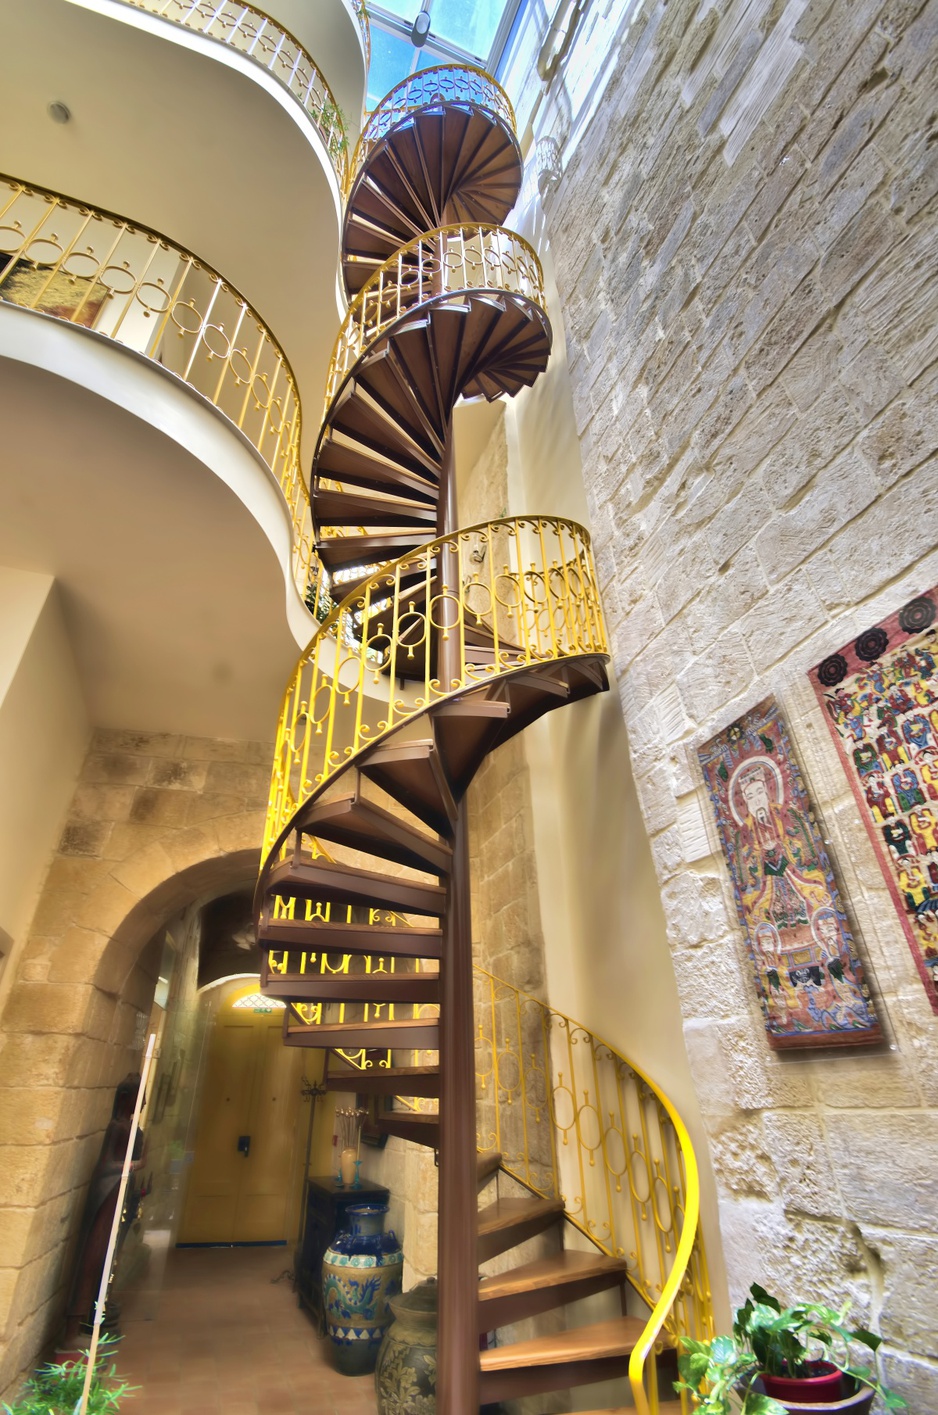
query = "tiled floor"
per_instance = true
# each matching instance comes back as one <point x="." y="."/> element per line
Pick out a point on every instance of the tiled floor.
<point x="227" y="1338"/>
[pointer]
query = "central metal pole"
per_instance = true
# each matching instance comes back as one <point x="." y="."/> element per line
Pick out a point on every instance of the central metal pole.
<point x="457" y="1389"/>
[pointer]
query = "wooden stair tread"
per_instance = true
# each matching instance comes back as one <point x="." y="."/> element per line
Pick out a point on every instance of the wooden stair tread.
<point x="354" y="821"/>
<point x="506" y="1212"/>
<point x="422" y="1034"/>
<point x="400" y="940"/>
<point x="354" y="987"/>
<point x="558" y="1268"/>
<point x="599" y="1341"/>
<point x="488" y="1162"/>
<point x="548" y="1283"/>
<point x="387" y="1081"/>
<point x="416" y="1126"/>
<point x="508" y="1222"/>
<point x="325" y="881"/>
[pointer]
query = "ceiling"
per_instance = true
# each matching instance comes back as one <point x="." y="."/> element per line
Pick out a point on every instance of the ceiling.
<point x="173" y="595"/>
<point x="178" y="133"/>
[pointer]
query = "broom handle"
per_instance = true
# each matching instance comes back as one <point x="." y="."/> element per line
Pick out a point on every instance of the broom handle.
<point x="99" y="1306"/>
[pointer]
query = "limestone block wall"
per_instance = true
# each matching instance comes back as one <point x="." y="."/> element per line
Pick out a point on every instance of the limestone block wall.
<point x="156" y="823"/>
<point x="744" y="241"/>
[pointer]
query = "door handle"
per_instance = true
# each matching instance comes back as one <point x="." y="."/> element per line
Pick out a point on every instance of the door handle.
<point x="244" y="1145"/>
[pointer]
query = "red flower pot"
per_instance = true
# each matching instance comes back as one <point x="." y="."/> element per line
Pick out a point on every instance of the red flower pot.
<point x="823" y="1386"/>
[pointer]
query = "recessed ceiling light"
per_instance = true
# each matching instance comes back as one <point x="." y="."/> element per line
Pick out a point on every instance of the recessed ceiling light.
<point x="59" y="112"/>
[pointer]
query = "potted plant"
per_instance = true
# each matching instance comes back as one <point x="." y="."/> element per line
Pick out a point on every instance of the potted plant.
<point x="782" y="1359"/>
<point x="56" y="1388"/>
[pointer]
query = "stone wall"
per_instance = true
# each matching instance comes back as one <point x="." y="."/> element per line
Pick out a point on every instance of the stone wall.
<point x="156" y="822"/>
<point x="744" y="241"/>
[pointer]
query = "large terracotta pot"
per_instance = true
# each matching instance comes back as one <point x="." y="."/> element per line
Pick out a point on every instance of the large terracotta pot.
<point x="361" y="1272"/>
<point x="859" y="1403"/>
<point x="823" y="1385"/>
<point x="405" y="1376"/>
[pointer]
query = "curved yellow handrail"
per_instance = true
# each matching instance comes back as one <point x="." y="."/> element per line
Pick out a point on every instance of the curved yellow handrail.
<point x="576" y="1119"/>
<point x="529" y="581"/>
<point x="266" y="42"/>
<point x="442" y="83"/>
<point x="450" y="261"/>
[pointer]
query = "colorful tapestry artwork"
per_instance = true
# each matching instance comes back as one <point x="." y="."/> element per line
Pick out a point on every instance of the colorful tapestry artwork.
<point x="880" y="698"/>
<point x="809" y="979"/>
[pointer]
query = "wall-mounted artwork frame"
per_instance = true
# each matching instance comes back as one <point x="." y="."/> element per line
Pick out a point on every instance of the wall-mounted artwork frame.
<point x="808" y="977"/>
<point x="880" y="699"/>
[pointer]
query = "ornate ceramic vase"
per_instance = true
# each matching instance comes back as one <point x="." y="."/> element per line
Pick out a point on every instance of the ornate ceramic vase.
<point x="361" y="1270"/>
<point x="405" y="1377"/>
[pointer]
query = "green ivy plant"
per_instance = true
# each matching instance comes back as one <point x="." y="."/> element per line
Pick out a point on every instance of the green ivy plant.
<point x="55" y="1389"/>
<point x="777" y="1340"/>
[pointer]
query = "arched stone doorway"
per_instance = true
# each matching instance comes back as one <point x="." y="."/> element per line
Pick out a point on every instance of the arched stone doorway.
<point x="72" y="1022"/>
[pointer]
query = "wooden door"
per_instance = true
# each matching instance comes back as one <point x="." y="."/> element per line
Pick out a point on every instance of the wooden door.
<point x="251" y="1088"/>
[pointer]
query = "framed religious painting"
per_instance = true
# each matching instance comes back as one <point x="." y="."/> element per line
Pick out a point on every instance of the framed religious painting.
<point x="880" y="699"/>
<point x="808" y="976"/>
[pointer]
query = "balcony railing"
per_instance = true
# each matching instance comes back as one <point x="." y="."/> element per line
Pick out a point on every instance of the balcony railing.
<point x="92" y="269"/>
<point x="442" y="263"/>
<point x="361" y="14"/>
<point x="444" y="83"/>
<point x="264" y="42"/>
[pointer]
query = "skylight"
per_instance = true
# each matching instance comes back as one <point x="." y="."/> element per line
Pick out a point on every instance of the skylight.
<point x="460" y="32"/>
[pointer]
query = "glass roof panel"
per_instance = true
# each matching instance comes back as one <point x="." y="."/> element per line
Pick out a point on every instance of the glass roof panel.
<point x="404" y="9"/>
<point x="392" y="59"/>
<point x="473" y="27"/>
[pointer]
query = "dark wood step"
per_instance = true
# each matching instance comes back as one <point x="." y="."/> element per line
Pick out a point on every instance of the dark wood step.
<point x="353" y="987"/>
<point x="298" y="935"/>
<point x="387" y="1081"/>
<point x="488" y="1162"/>
<point x="419" y="1129"/>
<point x="344" y="552"/>
<point x="345" y="508"/>
<point x="422" y="1034"/>
<point x="325" y="882"/>
<point x="445" y="164"/>
<point x="571" y="1358"/>
<point x="413" y="774"/>
<point x="551" y="1282"/>
<point x="347" y="456"/>
<point x="507" y="1222"/>
<point x="465" y="729"/>
<point x="360" y="824"/>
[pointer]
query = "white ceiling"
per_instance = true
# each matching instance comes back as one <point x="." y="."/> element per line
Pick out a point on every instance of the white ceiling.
<point x="177" y="133"/>
<point x="173" y="595"/>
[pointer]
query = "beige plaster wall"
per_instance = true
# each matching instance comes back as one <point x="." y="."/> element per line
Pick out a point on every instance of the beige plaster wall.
<point x="744" y="241"/>
<point x="44" y="733"/>
<point x="156" y="823"/>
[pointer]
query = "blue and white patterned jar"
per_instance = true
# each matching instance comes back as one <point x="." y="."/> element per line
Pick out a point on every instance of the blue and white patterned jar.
<point x="360" y="1272"/>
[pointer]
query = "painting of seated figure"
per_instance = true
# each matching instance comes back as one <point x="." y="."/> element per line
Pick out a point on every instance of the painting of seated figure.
<point x="809" y="978"/>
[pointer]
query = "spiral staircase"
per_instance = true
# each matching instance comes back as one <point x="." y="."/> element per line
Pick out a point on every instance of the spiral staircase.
<point x="445" y="643"/>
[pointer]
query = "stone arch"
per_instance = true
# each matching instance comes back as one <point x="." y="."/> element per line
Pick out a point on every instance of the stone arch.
<point x="183" y="822"/>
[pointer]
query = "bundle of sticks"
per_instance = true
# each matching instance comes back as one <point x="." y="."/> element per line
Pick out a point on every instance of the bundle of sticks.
<point x="349" y="1127"/>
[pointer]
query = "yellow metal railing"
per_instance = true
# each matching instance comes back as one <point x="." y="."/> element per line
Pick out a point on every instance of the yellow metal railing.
<point x="259" y="38"/>
<point x="574" y="1119"/>
<point x="361" y="14"/>
<point x="529" y="581"/>
<point x="68" y="259"/>
<point x="448" y="261"/>
<point x="444" y="83"/>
